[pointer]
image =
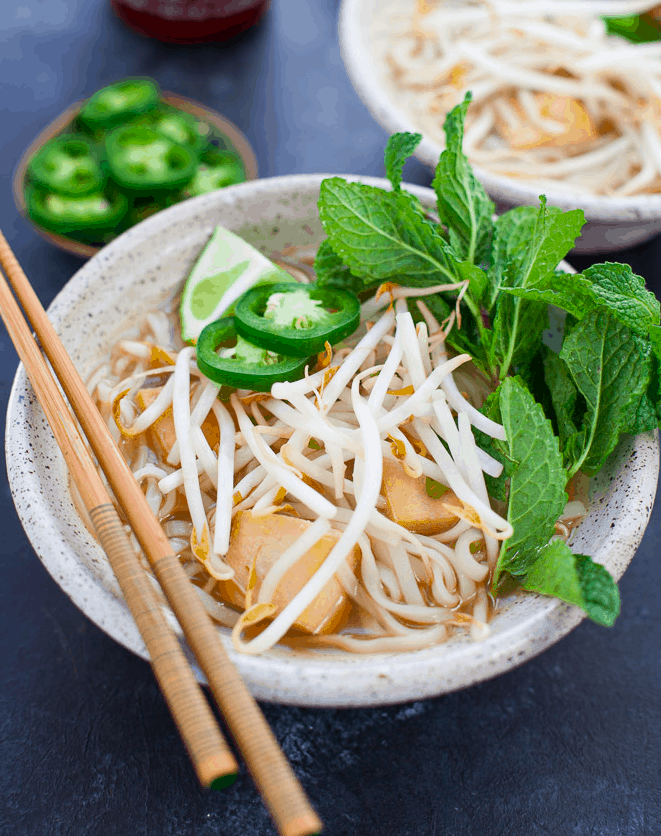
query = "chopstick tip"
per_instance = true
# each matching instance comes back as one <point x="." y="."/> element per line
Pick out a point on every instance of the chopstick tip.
<point x="218" y="772"/>
<point x="307" y="824"/>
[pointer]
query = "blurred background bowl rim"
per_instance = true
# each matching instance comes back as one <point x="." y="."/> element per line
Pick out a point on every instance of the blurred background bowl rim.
<point x="360" y="65"/>
<point x="60" y="123"/>
<point x="353" y="680"/>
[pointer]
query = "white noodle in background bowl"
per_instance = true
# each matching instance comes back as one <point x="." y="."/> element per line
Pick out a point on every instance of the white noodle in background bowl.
<point x="138" y="272"/>
<point x="613" y="223"/>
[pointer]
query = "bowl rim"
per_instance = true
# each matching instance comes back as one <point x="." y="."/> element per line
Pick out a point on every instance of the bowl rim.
<point x="355" y="53"/>
<point x="378" y="679"/>
<point x="62" y="122"/>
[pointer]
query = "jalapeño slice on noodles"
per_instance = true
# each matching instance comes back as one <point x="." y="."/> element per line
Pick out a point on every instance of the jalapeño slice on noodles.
<point x="296" y="319"/>
<point x="251" y="367"/>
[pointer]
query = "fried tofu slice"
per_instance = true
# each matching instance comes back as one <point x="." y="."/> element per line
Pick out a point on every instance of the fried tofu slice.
<point x="262" y="540"/>
<point x="569" y="112"/>
<point x="162" y="430"/>
<point x="409" y="504"/>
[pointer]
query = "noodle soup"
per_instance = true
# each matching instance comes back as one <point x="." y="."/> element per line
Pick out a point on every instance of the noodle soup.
<point x="279" y="479"/>
<point x="557" y="99"/>
<point x="107" y="299"/>
<point x="408" y="71"/>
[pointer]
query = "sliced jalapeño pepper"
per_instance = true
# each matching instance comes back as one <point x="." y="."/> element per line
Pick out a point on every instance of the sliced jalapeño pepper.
<point x="296" y="319"/>
<point x="176" y="125"/>
<point x="119" y="102"/>
<point x="68" y="165"/>
<point x="142" y="160"/>
<point x="217" y="169"/>
<point x="90" y="216"/>
<point x="249" y="367"/>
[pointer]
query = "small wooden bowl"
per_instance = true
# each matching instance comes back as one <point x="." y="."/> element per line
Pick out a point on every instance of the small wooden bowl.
<point x="238" y="141"/>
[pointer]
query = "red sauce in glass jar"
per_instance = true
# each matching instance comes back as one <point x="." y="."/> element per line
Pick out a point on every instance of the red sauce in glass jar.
<point x="190" y="21"/>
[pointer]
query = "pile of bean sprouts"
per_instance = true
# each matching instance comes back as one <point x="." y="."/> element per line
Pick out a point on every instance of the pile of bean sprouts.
<point x="510" y="54"/>
<point x="315" y="448"/>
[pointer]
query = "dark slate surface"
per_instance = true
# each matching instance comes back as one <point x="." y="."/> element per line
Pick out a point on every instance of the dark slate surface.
<point x="569" y="744"/>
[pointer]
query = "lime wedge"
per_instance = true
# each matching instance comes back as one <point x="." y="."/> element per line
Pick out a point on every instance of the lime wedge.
<point x="227" y="267"/>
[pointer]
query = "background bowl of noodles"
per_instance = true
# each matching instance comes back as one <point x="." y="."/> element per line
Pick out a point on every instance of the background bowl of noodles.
<point x="370" y="31"/>
<point x="140" y="271"/>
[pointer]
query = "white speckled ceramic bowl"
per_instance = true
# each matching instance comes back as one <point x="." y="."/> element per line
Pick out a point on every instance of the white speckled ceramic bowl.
<point x="140" y="270"/>
<point x="613" y="223"/>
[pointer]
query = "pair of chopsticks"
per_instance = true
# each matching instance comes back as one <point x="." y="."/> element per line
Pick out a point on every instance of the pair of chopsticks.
<point x="212" y="758"/>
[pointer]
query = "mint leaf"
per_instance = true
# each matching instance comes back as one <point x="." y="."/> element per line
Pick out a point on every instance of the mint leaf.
<point x="611" y="286"/>
<point x="382" y="235"/>
<point x="641" y="413"/>
<point x="537" y="483"/>
<point x="564" y="394"/>
<point x="331" y="271"/>
<point x="537" y="499"/>
<point x="516" y="334"/>
<point x="477" y="279"/>
<point x="641" y="417"/>
<point x="530" y="257"/>
<point x="399" y="148"/>
<point x="601" y="597"/>
<point x="654" y="389"/>
<point x="463" y="205"/>
<point x="571" y="293"/>
<point x="577" y="579"/>
<point x="655" y="339"/>
<point x="532" y="375"/>
<point x="612" y="372"/>
<point x="624" y="293"/>
<point x="553" y="235"/>
<point x="512" y="231"/>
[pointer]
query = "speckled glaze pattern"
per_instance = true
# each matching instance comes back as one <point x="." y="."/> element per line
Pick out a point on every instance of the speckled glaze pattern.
<point x="613" y="223"/>
<point x="138" y="272"/>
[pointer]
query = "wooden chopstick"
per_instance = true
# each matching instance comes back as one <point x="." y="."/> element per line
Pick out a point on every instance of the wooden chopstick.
<point x="213" y="760"/>
<point x="268" y="766"/>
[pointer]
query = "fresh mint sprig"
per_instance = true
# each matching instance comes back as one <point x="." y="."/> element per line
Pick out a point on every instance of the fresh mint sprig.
<point x="536" y="500"/>
<point x="463" y="205"/>
<point x="602" y="380"/>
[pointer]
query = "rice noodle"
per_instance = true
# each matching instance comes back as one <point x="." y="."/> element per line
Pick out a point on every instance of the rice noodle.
<point x="225" y="479"/>
<point x="181" y="415"/>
